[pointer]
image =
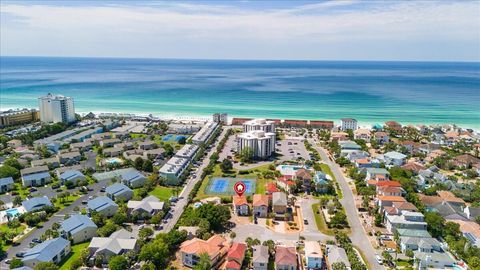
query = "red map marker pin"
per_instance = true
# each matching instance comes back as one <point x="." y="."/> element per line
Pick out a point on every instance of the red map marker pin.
<point x="239" y="188"/>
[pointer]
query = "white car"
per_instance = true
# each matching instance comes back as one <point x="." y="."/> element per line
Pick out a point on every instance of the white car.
<point x="379" y="260"/>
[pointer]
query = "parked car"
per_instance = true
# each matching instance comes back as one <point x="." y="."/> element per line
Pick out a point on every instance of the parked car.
<point x="103" y="189"/>
<point x="305" y="222"/>
<point x="32" y="189"/>
<point x="20" y="254"/>
<point x="36" y="240"/>
<point x="378" y="259"/>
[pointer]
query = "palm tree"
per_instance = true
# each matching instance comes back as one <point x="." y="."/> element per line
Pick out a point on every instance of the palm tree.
<point x="203" y="263"/>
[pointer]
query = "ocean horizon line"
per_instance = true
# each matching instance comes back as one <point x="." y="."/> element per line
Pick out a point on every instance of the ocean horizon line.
<point x="240" y="60"/>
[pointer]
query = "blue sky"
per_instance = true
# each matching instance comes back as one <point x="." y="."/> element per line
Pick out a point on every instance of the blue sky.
<point x="310" y="30"/>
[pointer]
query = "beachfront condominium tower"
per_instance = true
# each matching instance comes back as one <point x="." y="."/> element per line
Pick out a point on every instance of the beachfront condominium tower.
<point x="56" y="108"/>
<point x="259" y="124"/>
<point x="348" y="123"/>
<point x="258" y="136"/>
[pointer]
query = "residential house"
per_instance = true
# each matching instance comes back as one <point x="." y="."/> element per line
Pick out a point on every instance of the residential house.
<point x="304" y="177"/>
<point x="271" y="188"/>
<point x="398" y="207"/>
<point x="125" y="145"/>
<point x="279" y="204"/>
<point x="50" y="162"/>
<point x="69" y="157"/>
<point x="379" y="174"/>
<point x="147" y="145"/>
<point x="215" y="247"/>
<point x="119" y="191"/>
<point x="286" y="182"/>
<point x="381" y="137"/>
<point x="394" y="158"/>
<point x="73" y="176"/>
<point x="348" y="124"/>
<point x="148" y="206"/>
<point x="53" y="250"/>
<point x="285" y="258"/>
<point x="119" y="243"/>
<point x="133" y="179"/>
<point x="406" y="220"/>
<point x="471" y="212"/>
<point x="393" y="125"/>
<point x="235" y="256"/>
<point x="390" y="191"/>
<point x="313" y="255"/>
<point x="112" y="152"/>
<point x="339" y="136"/>
<point x="103" y="205"/>
<point x="362" y="134"/>
<point x="14" y="143"/>
<point x="366" y="162"/>
<point x="109" y="142"/>
<point x="469" y="229"/>
<point x="434" y="260"/>
<point x="322" y="182"/>
<point x="336" y="254"/>
<point x="36" y="203"/>
<point x="260" y="205"/>
<point x="260" y="257"/>
<point x="422" y="244"/>
<point x="240" y="206"/>
<point x="383" y="201"/>
<point x="81" y="146"/>
<point x="415" y="167"/>
<point x="36" y="176"/>
<point x="79" y="228"/>
<point x="465" y="161"/>
<point x="6" y="184"/>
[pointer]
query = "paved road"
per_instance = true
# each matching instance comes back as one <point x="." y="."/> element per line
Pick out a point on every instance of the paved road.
<point x="56" y="218"/>
<point x="359" y="237"/>
<point x="182" y="203"/>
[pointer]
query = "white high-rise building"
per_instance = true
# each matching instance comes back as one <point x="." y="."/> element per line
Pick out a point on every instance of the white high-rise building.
<point x="220" y="118"/>
<point x="56" y="108"/>
<point x="348" y="123"/>
<point x="259" y="124"/>
<point x="260" y="142"/>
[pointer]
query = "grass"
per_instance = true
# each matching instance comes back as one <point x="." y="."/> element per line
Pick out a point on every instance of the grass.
<point x="4" y="228"/>
<point x="326" y="169"/>
<point x="320" y="221"/>
<point x="74" y="255"/>
<point x="162" y="193"/>
<point x="67" y="201"/>
<point x="261" y="187"/>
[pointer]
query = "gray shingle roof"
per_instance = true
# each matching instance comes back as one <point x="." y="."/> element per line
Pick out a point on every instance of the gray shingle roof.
<point x="36" y="203"/>
<point x="45" y="251"/>
<point x="6" y="181"/>
<point x="117" y="188"/>
<point x="100" y="203"/>
<point x="77" y="223"/>
<point x="132" y="176"/>
<point x="70" y="174"/>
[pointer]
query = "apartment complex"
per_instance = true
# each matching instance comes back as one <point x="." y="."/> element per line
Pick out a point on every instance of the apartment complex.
<point x="18" y="117"/>
<point x="258" y="136"/>
<point x="56" y="108"/>
<point x="348" y="123"/>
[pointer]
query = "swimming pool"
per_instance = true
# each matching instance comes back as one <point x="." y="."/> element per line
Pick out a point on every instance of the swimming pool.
<point x="13" y="212"/>
<point x="114" y="161"/>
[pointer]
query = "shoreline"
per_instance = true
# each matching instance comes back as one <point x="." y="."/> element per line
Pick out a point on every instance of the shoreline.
<point x="206" y="117"/>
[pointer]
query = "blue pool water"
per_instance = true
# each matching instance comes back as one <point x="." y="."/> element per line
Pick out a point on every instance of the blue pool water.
<point x="12" y="212"/>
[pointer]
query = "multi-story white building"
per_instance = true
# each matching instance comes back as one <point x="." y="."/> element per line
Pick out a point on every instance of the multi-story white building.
<point x="56" y="108"/>
<point x="220" y="118"/>
<point x="259" y="124"/>
<point x="260" y="142"/>
<point x="348" y="123"/>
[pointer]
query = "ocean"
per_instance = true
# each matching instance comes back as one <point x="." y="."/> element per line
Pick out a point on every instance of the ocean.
<point x="371" y="92"/>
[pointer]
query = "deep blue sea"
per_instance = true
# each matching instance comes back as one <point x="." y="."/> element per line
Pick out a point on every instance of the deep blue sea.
<point x="409" y="92"/>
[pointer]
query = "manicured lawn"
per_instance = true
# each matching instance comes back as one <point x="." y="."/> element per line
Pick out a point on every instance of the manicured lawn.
<point x="66" y="201"/>
<point x="4" y="228"/>
<point x="261" y="185"/>
<point x="326" y="169"/>
<point x="320" y="221"/>
<point x="74" y="255"/>
<point x="163" y="193"/>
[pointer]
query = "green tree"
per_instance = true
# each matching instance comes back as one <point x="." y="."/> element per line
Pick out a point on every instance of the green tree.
<point x="168" y="149"/>
<point x="339" y="220"/>
<point x="147" y="166"/>
<point x="9" y="171"/>
<point x="138" y="163"/>
<point x="12" y="162"/>
<point x="339" y="266"/>
<point x="17" y="200"/>
<point x="16" y="263"/>
<point x="435" y="223"/>
<point x="118" y="263"/>
<point x="246" y="155"/>
<point x="156" y="252"/>
<point x="182" y="140"/>
<point x="119" y="218"/>
<point x="226" y="165"/>
<point x="144" y="233"/>
<point x="203" y="263"/>
<point x="46" y="266"/>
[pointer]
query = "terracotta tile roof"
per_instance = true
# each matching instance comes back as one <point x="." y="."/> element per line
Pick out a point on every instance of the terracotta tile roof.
<point x="260" y="199"/>
<point x="389" y="183"/>
<point x="414" y="166"/>
<point x="449" y="196"/>
<point x="237" y="251"/>
<point x="390" y="210"/>
<point x="286" y="180"/>
<point x="390" y="244"/>
<point x="285" y="255"/>
<point x="362" y="161"/>
<point x="391" y="198"/>
<point x="272" y="187"/>
<point x="372" y="182"/>
<point x="212" y="246"/>
<point x="390" y="189"/>
<point x="405" y="206"/>
<point x="239" y="200"/>
<point x="468" y="227"/>
<point x="429" y="200"/>
<point x="304" y="174"/>
<point x="233" y="265"/>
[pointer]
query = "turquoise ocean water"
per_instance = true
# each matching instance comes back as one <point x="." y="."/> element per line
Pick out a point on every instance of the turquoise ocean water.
<point x="409" y="92"/>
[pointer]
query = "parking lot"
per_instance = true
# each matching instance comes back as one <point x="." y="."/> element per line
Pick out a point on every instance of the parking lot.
<point x="291" y="149"/>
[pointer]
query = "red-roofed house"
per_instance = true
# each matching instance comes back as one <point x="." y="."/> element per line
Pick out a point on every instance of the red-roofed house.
<point x="389" y="200"/>
<point x="390" y="191"/>
<point x="414" y="167"/>
<point x="260" y="205"/>
<point x="304" y="176"/>
<point x="216" y="247"/>
<point x="271" y="188"/>
<point x="285" y="182"/>
<point x="393" y="125"/>
<point x="235" y="256"/>
<point x="285" y="258"/>
<point x="240" y="206"/>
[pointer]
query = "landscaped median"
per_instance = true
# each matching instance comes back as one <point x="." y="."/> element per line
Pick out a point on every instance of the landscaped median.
<point x="321" y="223"/>
<point x="326" y="169"/>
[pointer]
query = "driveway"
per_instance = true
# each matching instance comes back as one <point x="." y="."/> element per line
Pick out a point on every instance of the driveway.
<point x="183" y="201"/>
<point x="358" y="236"/>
